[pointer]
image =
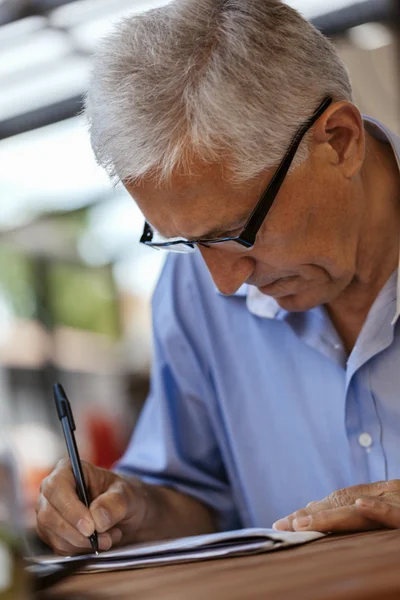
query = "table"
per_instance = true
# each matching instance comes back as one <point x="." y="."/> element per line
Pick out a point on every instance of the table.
<point x="358" y="566"/>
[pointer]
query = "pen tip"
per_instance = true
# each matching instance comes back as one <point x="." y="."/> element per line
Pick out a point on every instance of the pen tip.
<point x="97" y="553"/>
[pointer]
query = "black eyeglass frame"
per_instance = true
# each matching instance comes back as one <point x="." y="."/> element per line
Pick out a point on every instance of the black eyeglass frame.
<point x="248" y="236"/>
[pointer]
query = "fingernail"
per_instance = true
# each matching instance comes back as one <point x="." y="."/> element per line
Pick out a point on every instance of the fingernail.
<point x="282" y="525"/>
<point x="301" y="523"/>
<point x="85" y="527"/>
<point x="367" y="502"/>
<point x="101" y="519"/>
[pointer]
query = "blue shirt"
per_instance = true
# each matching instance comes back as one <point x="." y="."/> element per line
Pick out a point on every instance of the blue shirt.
<point x="256" y="411"/>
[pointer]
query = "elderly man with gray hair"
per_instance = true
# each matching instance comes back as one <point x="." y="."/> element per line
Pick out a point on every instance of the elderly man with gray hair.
<point x="275" y="384"/>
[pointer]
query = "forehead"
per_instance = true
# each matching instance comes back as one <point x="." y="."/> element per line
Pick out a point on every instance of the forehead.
<point x="191" y="205"/>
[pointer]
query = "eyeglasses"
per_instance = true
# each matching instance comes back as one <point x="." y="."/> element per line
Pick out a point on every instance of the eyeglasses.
<point x="246" y="239"/>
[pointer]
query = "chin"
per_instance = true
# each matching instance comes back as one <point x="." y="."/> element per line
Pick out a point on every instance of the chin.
<point x="294" y="303"/>
<point x="302" y="302"/>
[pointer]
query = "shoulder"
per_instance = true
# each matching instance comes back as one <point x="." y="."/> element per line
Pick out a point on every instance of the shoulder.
<point x="184" y="278"/>
<point x="187" y="300"/>
<point x="184" y="299"/>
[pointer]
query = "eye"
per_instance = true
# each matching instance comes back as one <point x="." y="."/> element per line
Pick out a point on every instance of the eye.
<point x="234" y="233"/>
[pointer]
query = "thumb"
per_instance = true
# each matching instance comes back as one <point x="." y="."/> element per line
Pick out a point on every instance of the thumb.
<point x="112" y="506"/>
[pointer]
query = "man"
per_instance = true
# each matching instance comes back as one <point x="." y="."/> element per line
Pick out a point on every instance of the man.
<point x="277" y="346"/>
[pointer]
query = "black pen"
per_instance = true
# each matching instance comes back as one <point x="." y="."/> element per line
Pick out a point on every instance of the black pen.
<point x="68" y="424"/>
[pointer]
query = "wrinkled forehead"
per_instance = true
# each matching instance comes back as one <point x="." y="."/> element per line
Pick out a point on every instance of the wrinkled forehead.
<point x="191" y="205"/>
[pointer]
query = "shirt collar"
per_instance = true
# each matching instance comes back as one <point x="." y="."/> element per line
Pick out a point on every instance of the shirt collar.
<point x="261" y="305"/>
<point x="267" y="307"/>
<point x="381" y="132"/>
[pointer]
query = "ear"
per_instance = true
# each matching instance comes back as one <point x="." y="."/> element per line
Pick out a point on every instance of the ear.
<point x="341" y="127"/>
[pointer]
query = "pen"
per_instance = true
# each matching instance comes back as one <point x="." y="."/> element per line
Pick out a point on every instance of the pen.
<point x="68" y="424"/>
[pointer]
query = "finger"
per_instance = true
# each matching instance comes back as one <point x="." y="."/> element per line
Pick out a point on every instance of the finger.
<point x="339" y="498"/>
<point x="59" y="489"/>
<point x="348" y="496"/>
<point x="346" y="518"/>
<point x="116" y="505"/>
<point x="286" y="524"/>
<point x="379" y="510"/>
<point x="116" y="535"/>
<point x="61" y="546"/>
<point x="49" y="519"/>
<point x="109" y="539"/>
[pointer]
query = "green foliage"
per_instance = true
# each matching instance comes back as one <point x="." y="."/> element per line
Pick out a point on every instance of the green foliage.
<point x="83" y="298"/>
<point x="16" y="282"/>
<point x="75" y="295"/>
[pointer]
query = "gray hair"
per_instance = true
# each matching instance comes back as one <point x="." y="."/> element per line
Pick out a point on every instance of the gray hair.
<point x="220" y="80"/>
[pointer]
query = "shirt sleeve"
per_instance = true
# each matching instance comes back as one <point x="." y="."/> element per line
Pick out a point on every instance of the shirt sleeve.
<point x="174" y="443"/>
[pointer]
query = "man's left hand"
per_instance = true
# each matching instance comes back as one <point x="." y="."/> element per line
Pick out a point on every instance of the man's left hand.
<point x="356" y="508"/>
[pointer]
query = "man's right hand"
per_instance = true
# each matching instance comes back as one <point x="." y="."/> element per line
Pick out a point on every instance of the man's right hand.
<point x="117" y="512"/>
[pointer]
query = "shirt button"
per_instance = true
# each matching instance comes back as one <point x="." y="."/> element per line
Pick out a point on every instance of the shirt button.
<point x="365" y="440"/>
<point x="337" y="346"/>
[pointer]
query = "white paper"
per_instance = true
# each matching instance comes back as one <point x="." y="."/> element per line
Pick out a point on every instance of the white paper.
<point x="201" y="547"/>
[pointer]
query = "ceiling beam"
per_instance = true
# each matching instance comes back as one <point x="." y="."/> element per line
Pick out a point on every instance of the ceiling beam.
<point x="40" y="117"/>
<point x="341" y="20"/>
<point x="14" y="10"/>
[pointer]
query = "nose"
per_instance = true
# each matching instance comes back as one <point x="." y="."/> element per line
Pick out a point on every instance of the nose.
<point x="228" y="270"/>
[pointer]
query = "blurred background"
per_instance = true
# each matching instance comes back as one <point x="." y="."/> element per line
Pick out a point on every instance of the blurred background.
<point x="75" y="284"/>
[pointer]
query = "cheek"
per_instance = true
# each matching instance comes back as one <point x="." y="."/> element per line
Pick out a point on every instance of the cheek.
<point x="317" y="251"/>
<point x="308" y="229"/>
<point x="313" y="234"/>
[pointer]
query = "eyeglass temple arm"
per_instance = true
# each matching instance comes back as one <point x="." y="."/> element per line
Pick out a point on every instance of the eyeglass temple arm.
<point x="260" y="211"/>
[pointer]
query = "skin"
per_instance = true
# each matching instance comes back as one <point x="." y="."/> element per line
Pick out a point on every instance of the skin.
<point x="331" y="238"/>
<point x="356" y="508"/>
<point x="124" y="510"/>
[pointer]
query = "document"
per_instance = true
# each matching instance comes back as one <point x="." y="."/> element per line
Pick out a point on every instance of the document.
<point x="201" y="547"/>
